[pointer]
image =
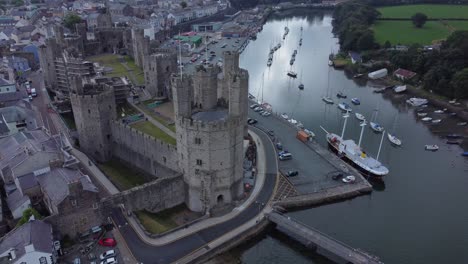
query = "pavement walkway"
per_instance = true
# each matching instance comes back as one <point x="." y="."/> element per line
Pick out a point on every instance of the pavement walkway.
<point x="156" y="122"/>
<point x="171" y="237"/>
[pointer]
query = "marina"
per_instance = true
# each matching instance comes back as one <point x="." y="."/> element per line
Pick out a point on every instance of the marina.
<point x="400" y="186"/>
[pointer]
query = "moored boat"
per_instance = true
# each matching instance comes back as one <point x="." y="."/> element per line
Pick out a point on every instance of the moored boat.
<point x="341" y="95"/>
<point x="292" y="74"/>
<point x="462" y="123"/>
<point x="344" y="107"/>
<point x="417" y="101"/>
<point x="301" y="86"/>
<point x="327" y="99"/>
<point x="431" y="147"/>
<point x="453" y="136"/>
<point x="394" y="140"/>
<point x="426" y="119"/>
<point x="376" y="127"/>
<point x="453" y="142"/>
<point x="360" y="116"/>
<point x="422" y="114"/>
<point x="439" y="111"/>
<point x="355" y="101"/>
<point x="352" y="153"/>
<point x="399" y="89"/>
<point x="436" y="121"/>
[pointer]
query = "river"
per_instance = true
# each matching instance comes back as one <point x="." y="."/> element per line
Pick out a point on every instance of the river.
<point x="420" y="214"/>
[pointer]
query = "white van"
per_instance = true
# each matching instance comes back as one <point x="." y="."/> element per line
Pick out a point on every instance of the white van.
<point x="285" y="156"/>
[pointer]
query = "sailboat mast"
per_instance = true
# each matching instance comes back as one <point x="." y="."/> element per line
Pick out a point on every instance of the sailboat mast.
<point x="180" y="58"/>
<point x="345" y="116"/>
<point x="380" y="146"/>
<point x="363" y="124"/>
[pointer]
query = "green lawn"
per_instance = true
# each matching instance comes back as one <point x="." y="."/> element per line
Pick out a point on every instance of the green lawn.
<point x="137" y="71"/>
<point x="432" y="11"/>
<point x="152" y="130"/>
<point x="124" y="177"/>
<point x="157" y="117"/>
<point x="159" y="222"/>
<point x="404" y="32"/>
<point x="111" y="61"/>
<point x="458" y="25"/>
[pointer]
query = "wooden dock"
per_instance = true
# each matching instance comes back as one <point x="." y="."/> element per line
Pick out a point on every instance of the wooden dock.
<point x="323" y="244"/>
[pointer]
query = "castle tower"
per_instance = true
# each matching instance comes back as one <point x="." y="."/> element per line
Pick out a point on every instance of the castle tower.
<point x="158" y="69"/>
<point x="94" y="109"/>
<point x="47" y="55"/>
<point x="210" y="137"/>
<point x="140" y="46"/>
<point x="231" y="64"/>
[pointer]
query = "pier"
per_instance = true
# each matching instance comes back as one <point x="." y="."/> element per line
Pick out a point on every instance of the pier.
<point x="321" y="243"/>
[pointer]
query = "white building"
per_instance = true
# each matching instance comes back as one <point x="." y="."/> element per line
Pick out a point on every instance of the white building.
<point x="31" y="243"/>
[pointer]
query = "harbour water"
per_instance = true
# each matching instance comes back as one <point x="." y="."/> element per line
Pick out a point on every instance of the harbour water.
<point x="419" y="215"/>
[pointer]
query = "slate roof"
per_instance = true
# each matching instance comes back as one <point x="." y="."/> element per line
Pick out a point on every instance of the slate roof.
<point x="4" y="129"/>
<point x="27" y="181"/>
<point x="36" y="233"/>
<point x="55" y="183"/>
<point x="5" y="82"/>
<point x="16" y="199"/>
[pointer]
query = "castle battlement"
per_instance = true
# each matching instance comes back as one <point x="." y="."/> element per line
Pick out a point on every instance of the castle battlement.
<point x="209" y="126"/>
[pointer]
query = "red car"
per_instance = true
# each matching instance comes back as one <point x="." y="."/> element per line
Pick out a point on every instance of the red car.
<point x="107" y="242"/>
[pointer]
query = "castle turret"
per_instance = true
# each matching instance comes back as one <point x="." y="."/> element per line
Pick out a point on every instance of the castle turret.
<point x="157" y="69"/>
<point x="94" y="109"/>
<point x="210" y="136"/>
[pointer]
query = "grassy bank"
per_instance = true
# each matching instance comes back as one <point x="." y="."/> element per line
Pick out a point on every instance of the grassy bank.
<point x="163" y="221"/>
<point x="432" y="11"/>
<point x="154" y="131"/>
<point x="124" y="177"/>
<point x="158" y="118"/>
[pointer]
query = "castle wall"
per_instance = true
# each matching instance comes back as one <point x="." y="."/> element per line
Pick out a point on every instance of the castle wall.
<point x="154" y="196"/>
<point x="93" y="114"/>
<point x="157" y="69"/>
<point x="143" y="151"/>
<point x="219" y="147"/>
<point x="205" y="82"/>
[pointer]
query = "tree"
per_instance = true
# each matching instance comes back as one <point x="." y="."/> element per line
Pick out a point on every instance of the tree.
<point x="419" y="19"/>
<point x="183" y="4"/>
<point x="27" y="214"/>
<point x="460" y="84"/>
<point x="71" y="19"/>
<point x="366" y="41"/>
<point x="387" y="44"/>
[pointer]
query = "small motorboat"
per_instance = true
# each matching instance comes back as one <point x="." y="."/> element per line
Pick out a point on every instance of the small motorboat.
<point x="462" y="123"/>
<point x="454" y="136"/>
<point x="269" y="63"/>
<point x="355" y="101"/>
<point x="453" y="142"/>
<point x="292" y="121"/>
<point x="344" y="107"/>
<point x="292" y="74"/>
<point x="291" y="62"/>
<point x="453" y="101"/>
<point x="301" y="86"/>
<point x="426" y="119"/>
<point x="360" y="116"/>
<point x="465" y="154"/>
<point x="399" y="89"/>
<point x="452" y="114"/>
<point x="439" y="111"/>
<point x="349" y="179"/>
<point x="431" y="147"/>
<point x="328" y="100"/>
<point x="394" y="140"/>
<point x="436" y="121"/>
<point x="284" y="116"/>
<point x="341" y="95"/>
<point x="422" y="114"/>
<point x="376" y="127"/>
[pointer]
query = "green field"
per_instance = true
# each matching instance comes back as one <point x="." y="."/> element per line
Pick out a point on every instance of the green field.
<point x="432" y="11"/>
<point x="118" y="69"/>
<point x="154" y="131"/>
<point x="457" y="25"/>
<point x="124" y="177"/>
<point x="405" y="33"/>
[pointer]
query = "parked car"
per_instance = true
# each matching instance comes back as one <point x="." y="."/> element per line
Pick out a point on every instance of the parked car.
<point x="271" y="133"/>
<point x="258" y="109"/>
<point x="251" y="121"/>
<point x="349" y="179"/>
<point x="253" y="106"/>
<point x="266" y="113"/>
<point x="292" y="173"/>
<point x="283" y="152"/>
<point x="30" y="98"/>
<point x="285" y="156"/>
<point x="279" y="146"/>
<point x="109" y="261"/>
<point x="107" y="254"/>
<point x="107" y="242"/>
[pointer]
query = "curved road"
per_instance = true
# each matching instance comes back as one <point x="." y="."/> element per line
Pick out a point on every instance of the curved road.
<point x="174" y="251"/>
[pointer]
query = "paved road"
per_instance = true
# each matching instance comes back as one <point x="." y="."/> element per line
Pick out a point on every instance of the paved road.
<point x="41" y="101"/>
<point x="172" y="252"/>
<point x="314" y="171"/>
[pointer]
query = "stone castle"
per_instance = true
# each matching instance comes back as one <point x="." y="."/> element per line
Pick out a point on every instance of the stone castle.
<point x="210" y="117"/>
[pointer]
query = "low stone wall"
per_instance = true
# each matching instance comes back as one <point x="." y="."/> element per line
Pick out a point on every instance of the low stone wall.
<point x="153" y="197"/>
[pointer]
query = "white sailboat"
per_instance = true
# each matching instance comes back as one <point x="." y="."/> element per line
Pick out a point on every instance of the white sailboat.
<point x="374" y="125"/>
<point x="327" y="98"/>
<point x="391" y="136"/>
<point x="360" y="117"/>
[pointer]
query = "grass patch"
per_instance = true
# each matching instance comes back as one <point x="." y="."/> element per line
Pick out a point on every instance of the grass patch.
<point x="69" y="120"/>
<point x="404" y="32"/>
<point x="157" y="117"/>
<point x="157" y="223"/>
<point x="124" y="177"/>
<point x="126" y="110"/>
<point x="457" y="25"/>
<point x="137" y="71"/>
<point x="432" y="11"/>
<point x="111" y="61"/>
<point x="152" y="130"/>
